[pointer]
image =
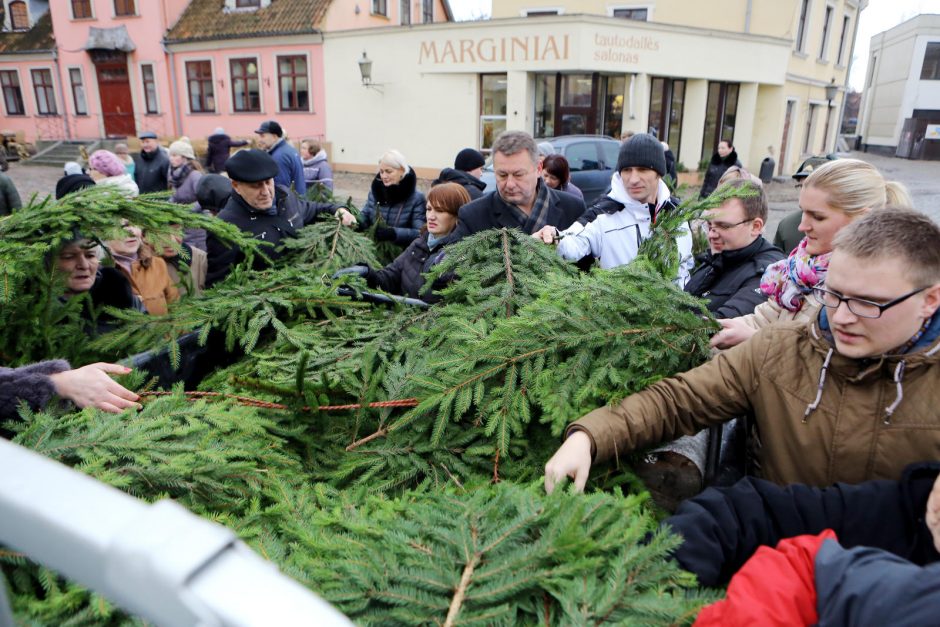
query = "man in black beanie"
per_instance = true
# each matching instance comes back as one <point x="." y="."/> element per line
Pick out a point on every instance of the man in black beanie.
<point x="612" y="229"/>
<point x="269" y="212"/>
<point x="468" y="167"/>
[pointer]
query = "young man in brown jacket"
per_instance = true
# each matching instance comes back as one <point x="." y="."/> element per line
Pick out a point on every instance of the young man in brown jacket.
<point x="851" y="396"/>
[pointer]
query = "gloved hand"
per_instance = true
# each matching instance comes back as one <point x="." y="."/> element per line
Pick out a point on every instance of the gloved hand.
<point x="361" y="269"/>
<point x="385" y="234"/>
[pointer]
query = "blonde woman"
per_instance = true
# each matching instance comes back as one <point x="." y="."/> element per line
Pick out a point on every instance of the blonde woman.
<point x="832" y="197"/>
<point x="396" y="199"/>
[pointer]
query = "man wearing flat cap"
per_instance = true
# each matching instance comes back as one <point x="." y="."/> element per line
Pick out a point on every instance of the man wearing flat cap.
<point x="290" y="167"/>
<point x="151" y="164"/>
<point x="258" y="206"/>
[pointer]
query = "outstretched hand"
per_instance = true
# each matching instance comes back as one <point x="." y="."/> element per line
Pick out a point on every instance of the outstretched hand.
<point x="547" y="234"/>
<point x="346" y="217"/>
<point x="90" y="386"/>
<point x="933" y="513"/>
<point x="572" y="459"/>
<point x="733" y="332"/>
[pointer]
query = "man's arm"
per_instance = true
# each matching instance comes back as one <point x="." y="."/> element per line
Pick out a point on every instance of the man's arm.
<point x="589" y="241"/>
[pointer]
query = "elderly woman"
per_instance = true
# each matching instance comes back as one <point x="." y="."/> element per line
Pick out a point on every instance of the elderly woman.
<point x="184" y="173"/>
<point x="147" y="272"/>
<point x="107" y="170"/>
<point x="405" y="275"/>
<point x="395" y="198"/>
<point x="557" y="175"/>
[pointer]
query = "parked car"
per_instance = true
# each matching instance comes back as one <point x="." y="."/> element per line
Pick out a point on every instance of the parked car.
<point x="592" y="159"/>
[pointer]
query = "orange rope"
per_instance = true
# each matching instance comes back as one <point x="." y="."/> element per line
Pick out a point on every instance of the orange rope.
<point x="256" y="402"/>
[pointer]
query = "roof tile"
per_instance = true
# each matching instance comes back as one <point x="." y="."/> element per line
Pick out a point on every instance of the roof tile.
<point x="206" y="20"/>
<point x="37" y="39"/>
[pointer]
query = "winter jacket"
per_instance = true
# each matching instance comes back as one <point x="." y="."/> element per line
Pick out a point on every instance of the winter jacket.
<point x="730" y="280"/>
<point x="9" y="197"/>
<point x="815" y="580"/>
<point x="615" y="238"/>
<point x="716" y="168"/>
<point x="150" y="170"/>
<point x="317" y="171"/>
<point x="123" y="183"/>
<point x="292" y="214"/>
<point x="290" y="169"/>
<point x="195" y="281"/>
<point x="472" y="184"/>
<point x="30" y="384"/>
<point x="402" y="207"/>
<point x="218" y="150"/>
<point x="152" y="283"/>
<point x="671" y="167"/>
<point x="572" y="189"/>
<point x="821" y="417"/>
<point x="788" y="235"/>
<point x="185" y="192"/>
<point x="723" y="527"/>
<point x="490" y="211"/>
<point x="405" y="275"/>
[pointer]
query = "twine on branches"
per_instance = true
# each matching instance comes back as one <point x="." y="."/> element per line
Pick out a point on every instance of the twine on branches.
<point x="257" y="402"/>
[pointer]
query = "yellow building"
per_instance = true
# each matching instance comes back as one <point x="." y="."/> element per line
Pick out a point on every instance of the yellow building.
<point x="691" y="72"/>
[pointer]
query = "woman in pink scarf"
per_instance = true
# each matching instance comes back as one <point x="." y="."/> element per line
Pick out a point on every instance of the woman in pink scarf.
<point x="831" y="197"/>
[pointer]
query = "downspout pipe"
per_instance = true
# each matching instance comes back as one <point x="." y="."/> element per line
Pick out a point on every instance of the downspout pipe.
<point x="65" y="107"/>
<point x="174" y="92"/>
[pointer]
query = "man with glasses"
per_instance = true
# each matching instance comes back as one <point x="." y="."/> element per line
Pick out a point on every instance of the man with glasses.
<point x="850" y="396"/>
<point x="728" y="275"/>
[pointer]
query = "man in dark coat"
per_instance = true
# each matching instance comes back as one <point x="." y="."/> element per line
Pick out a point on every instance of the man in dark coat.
<point x="468" y="167"/>
<point x="219" y="150"/>
<point x="269" y="212"/>
<point x="522" y="200"/>
<point x="151" y="165"/>
<point x="729" y="274"/>
<point x="290" y="167"/>
<point x="724" y="158"/>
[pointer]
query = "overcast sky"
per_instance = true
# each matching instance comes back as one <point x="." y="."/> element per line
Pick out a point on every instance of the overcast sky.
<point x="880" y="15"/>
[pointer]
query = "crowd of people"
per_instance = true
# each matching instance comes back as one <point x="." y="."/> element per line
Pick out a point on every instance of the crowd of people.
<point x="825" y="362"/>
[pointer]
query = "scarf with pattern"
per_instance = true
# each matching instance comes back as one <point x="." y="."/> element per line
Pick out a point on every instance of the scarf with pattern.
<point x="790" y="280"/>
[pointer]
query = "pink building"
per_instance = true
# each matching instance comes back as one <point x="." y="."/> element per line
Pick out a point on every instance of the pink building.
<point x="87" y="69"/>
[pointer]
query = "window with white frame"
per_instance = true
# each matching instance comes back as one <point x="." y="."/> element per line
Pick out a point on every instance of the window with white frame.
<point x="149" y="80"/>
<point x="293" y="84"/>
<point x="79" y="102"/>
<point x="12" y="95"/>
<point x="199" y="85"/>
<point x="125" y="8"/>
<point x="930" y="70"/>
<point x="380" y="7"/>
<point x="19" y="15"/>
<point x="427" y="11"/>
<point x="44" y="91"/>
<point x="541" y="12"/>
<point x="843" y="40"/>
<point x="827" y="29"/>
<point x="802" y="26"/>
<point x="81" y="9"/>
<point x="246" y="87"/>
<point x="640" y="14"/>
<point x="405" y="11"/>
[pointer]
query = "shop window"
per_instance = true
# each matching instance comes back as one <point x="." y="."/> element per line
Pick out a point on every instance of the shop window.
<point x="930" y="71"/>
<point x="631" y="13"/>
<point x="201" y="90"/>
<point x="405" y="11"/>
<point x="827" y="28"/>
<point x="427" y="11"/>
<point x="843" y="39"/>
<point x="81" y="9"/>
<point x="492" y="109"/>
<point x="292" y="83"/>
<point x="810" y="128"/>
<point x="380" y="7"/>
<point x="667" y="97"/>
<point x="720" y="113"/>
<point x="610" y="106"/>
<point x="123" y="8"/>
<point x="19" y="15"/>
<point x="545" y="105"/>
<point x="78" y="91"/>
<point x="150" y="87"/>
<point x="246" y="89"/>
<point x="12" y="96"/>
<point x="45" y="93"/>
<point x="802" y="26"/>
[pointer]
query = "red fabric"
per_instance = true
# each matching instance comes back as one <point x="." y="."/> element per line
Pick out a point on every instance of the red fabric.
<point x="774" y="587"/>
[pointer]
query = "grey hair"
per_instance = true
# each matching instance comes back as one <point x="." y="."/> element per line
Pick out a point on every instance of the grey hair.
<point x="512" y="142"/>
<point x="395" y="159"/>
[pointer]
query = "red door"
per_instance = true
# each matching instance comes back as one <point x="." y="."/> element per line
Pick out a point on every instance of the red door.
<point x="114" y="87"/>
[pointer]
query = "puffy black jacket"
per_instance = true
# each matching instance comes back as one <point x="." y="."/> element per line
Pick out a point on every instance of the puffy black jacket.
<point x="472" y="184"/>
<point x="491" y="212"/>
<point x="730" y="280"/>
<point x="401" y="206"/>
<point x="292" y="214"/>
<point x="723" y="527"/>
<point x="716" y="168"/>
<point x="151" y="169"/>
<point x="405" y="275"/>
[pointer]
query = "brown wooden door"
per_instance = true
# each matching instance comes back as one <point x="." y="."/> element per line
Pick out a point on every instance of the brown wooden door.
<point x="117" y="106"/>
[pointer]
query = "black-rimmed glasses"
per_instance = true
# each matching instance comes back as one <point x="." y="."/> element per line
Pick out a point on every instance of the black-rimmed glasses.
<point x="723" y="226"/>
<point x="859" y="306"/>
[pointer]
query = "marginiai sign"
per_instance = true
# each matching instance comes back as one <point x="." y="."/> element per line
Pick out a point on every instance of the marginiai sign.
<point x="549" y="48"/>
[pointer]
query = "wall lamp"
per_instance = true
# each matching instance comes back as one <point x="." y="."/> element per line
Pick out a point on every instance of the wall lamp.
<point x="365" y="70"/>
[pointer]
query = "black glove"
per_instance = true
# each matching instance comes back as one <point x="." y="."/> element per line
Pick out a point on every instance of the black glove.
<point x="385" y="234"/>
<point x="361" y="269"/>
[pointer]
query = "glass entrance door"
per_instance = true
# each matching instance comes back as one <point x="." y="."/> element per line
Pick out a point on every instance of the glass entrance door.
<point x="577" y="105"/>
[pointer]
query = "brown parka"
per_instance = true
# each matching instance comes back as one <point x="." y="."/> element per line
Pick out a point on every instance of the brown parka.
<point x="822" y="417"/>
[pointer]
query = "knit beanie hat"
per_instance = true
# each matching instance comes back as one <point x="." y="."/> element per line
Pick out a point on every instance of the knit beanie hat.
<point x="183" y="149"/>
<point x="72" y="183"/>
<point x="106" y="162"/>
<point x="642" y="151"/>
<point x="469" y="159"/>
<point x="73" y="167"/>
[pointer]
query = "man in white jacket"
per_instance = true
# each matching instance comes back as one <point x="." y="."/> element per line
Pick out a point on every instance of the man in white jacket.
<point x="627" y="215"/>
